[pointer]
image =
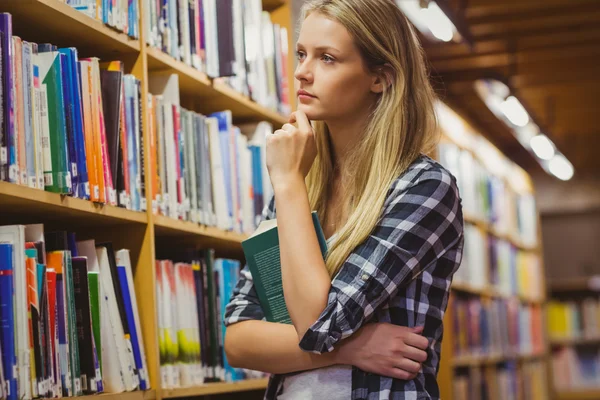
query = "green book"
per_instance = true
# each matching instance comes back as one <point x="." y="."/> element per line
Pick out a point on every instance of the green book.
<point x="94" y="286"/>
<point x="263" y="258"/>
<point x="56" y="157"/>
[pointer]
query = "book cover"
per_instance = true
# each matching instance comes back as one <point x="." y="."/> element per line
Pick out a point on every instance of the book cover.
<point x="262" y="255"/>
<point x="7" y="321"/>
<point x="84" y="325"/>
<point x="57" y="180"/>
<point x="33" y="313"/>
<point x="15" y="235"/>
<point x="125" y="275"/>
<point x="21" y="160"/>
<point x="7" y="150"/>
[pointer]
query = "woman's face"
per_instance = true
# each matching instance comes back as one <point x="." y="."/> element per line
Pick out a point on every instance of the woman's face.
<point x="332" y="80"/>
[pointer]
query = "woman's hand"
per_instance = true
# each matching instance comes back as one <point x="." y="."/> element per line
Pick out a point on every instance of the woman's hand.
<point x="291" y="150"/>
<point x="385" y="349"/>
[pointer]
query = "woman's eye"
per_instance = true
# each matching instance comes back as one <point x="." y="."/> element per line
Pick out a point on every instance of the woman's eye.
<point x="327" y="59"/>
<point x="300" y="55"/>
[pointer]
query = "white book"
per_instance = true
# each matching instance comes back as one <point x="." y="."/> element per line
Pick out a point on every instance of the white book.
<point x="182" y="324"/>
<point x="216" y="163"/>
<point x="124" y="260"/>
<point x="116" y="366"/>
<point x="190" y="165"/>
<point x="28" y="100"/>
<point x="211" y="38"/>
<point x="184" y="32"/>
<point x="15" y="235"/>
<point x="171" y="167"/>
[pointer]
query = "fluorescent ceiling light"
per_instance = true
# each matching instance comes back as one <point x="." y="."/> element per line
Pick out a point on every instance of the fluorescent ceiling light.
<point x="507" y="108"/>
<point x="437" y="22"/>
<point x="542" y="147"/>
<point x="560" y="167"/>
<point x="430" y="20"/>
<point x="514" y="111"/>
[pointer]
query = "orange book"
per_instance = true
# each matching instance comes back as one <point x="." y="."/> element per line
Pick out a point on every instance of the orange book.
<point x="86" y="99"/>
<point x="32" y="307"/>
<point x="154" y="181"/>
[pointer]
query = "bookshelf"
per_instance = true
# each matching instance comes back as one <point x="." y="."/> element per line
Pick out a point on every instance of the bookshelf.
<point x="490" y="286"/>
<point x="53" y="21"/>
<point x="574" y="331"/>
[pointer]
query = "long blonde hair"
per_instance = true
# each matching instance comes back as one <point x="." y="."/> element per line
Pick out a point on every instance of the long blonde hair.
<point x="402" y="124"/>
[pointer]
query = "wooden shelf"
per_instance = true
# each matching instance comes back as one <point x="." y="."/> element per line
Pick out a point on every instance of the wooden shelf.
<point x="216" y="388"/>
<point x="584" y="394"/>
<point x="474" y="361"/>
<point x="486" y="227"/>
<point x="170" y="231"/>
<point x="24" y="205"/>
<point x="574" y="341"/>
<point x="492" y="292"/>
<point x="135" y="395"/>
<point x="202" y="94"/>
<point x="56" y="22"/>
<point x="585" y="284"/>
<point x="270" y="5"/>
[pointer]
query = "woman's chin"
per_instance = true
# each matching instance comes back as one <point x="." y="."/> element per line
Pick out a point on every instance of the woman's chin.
<point x="311" y="113"/>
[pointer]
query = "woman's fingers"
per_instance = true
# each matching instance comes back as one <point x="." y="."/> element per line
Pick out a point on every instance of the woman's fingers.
<point x="415" y="354"/>
<point x="407" y="365"/>
<point x="398" y="374"/>
<point x="416" y="340"/>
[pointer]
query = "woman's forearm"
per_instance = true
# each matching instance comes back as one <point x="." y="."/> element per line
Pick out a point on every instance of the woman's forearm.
<point x="270" y="347"/>
<point x="306" y="282"/>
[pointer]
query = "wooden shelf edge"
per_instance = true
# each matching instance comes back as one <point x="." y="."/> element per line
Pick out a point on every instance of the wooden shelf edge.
<point x="57" y="202"/>
<point x="484" y="225"/>
<point x="492" y="292"/>
<point x="272" y="5"/>
<point x="75" y="16"/>
<point x="574" y="341"/>
<point x="134" y="395"/>
<point x="467" y="361"/>
<point x="579" y="394"/>
<point x="216" y="388"/>
<point x="173" y="226"/>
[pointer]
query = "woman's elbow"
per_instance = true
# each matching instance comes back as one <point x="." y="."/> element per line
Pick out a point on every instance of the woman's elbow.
<point x="232" y="348"/>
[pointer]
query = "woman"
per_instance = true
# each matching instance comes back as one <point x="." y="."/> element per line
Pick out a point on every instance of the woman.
<point x="367" y="321"/>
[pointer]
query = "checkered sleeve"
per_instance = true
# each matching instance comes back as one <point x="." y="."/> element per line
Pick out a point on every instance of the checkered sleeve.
<point x="244" y="304"/>
<point x="421" y="222"/>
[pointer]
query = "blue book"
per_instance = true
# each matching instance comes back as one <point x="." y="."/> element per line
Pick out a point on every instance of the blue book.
<point x="7" y="145"/>
<point x="7" y="320"/>
<point x="224" y="118"/>
<point x="137" y="354"/>
<point x="69" y="125"/>
<point x="73" y="103"/>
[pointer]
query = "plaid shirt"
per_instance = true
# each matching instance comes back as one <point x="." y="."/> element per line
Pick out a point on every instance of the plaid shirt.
<point x="400" y="274"/>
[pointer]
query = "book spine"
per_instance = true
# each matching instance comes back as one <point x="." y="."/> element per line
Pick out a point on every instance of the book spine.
<point x="88" y="129"/>
<point x="69" y="123"/>
<point x="28" y="114"/>
<point x="81" y="298"/>
<point x="7" y="151"/>
<point x="7" y="318"/>
<point x="21" y="161"/>
<point x="139" y="129"/>
<point x="109" y="192"/>
<point x="72" y="325"/>
<point x="80" y="149"/>
<point x="125" y="194"/>
<point x="59" y="179"/>
<point x="33" y="319"/>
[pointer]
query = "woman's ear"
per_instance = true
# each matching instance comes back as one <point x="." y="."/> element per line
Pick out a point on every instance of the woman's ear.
<point x="382" y="78"/>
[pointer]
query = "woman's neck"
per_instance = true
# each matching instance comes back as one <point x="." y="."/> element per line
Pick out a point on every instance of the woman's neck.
<point x="345" y="133"/>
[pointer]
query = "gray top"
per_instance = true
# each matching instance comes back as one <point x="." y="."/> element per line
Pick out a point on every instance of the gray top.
<point x="331" y="383"/>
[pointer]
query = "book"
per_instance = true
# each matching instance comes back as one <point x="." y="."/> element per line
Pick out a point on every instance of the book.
<point x="263" y="258"/>
<point x="7" y="321"/>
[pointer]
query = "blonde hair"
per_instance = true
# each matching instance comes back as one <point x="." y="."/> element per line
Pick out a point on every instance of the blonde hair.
<point x="402" y="124"/>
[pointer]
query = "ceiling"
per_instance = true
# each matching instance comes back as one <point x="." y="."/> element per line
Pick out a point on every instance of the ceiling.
<point x="548" y="52"/>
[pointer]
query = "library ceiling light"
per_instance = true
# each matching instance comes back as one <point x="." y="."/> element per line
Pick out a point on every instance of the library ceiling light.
<point x="542" y="146"/>
<point x="507" y="108"/>
<point x="435" y="19"/>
